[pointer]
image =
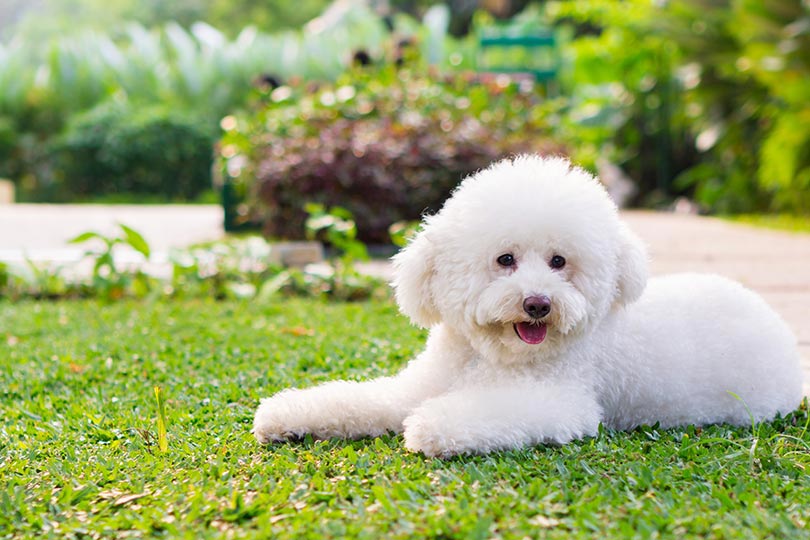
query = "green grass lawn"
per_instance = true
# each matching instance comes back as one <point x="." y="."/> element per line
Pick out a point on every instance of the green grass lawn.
<point x="79" y="456"/>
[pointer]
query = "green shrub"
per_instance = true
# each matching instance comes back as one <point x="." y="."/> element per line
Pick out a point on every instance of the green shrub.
<point x="385" y="144"/>
<point x="699" y="98"/>
<point x="149" y="151"/>
<point x="8" y="145"/>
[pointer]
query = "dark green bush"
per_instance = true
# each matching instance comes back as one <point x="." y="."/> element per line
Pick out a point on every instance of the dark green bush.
<point x="122" y="149"/>
<point x="387" y="145"/>
<point x="8" y="145"/>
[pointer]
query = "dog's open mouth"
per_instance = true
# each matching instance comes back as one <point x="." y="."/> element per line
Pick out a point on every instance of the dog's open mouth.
<point x="530" y="332"/>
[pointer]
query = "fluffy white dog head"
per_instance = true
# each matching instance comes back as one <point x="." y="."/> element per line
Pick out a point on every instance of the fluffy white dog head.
<point x="524" y="256"/>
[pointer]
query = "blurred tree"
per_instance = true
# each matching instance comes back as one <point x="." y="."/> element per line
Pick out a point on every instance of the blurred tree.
<point x="38" y="19"/>
<point x="704" y="98"/>
<point x="269" y="15"/>
<point x="10" y="13"/>
<point x="462" y="11"/>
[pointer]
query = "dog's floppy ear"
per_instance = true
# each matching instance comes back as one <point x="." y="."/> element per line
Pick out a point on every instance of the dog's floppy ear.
<point x="414" y="267"/>
<point x="632" y="267"/>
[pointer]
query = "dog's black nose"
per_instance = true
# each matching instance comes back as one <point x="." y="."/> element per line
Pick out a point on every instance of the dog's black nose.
<point x="537" y="307"/>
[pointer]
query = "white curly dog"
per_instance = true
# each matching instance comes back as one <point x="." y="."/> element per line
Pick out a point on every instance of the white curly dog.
<point x="543" y="324"/>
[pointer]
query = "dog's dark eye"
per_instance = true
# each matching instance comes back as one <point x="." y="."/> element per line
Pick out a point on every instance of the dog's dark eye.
<point x="507" y="259"/>
<point x="557" y="262"/>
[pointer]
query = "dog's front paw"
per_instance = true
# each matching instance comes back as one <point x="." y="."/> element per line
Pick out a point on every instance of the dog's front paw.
<point x="423" y="433"/>
<point x="277" y="419"/>
<point x="269" y="426"/>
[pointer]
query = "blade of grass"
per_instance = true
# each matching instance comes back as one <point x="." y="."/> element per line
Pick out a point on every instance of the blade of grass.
<point x="163" y="442"/>
<point x="755" y="431"/>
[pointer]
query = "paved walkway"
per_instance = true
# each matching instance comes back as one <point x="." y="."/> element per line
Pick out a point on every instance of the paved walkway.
<point x="48" y="227"/>
<point x="776" y="264"/>
<point x="40" y="232"/>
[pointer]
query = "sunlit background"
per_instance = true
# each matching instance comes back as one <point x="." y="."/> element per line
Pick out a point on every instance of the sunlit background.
<point x="137" y="337"/>
<point x="382" y="106"/>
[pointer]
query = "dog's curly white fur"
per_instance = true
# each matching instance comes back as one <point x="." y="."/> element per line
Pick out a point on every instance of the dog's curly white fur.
<point x="543" y="324"/>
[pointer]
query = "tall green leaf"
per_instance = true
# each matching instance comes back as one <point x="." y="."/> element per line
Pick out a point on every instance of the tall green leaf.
<point x="135" y="240"/>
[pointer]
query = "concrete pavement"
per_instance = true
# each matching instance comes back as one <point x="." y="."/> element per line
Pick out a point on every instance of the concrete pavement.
<point x="40" y="232"/>
<point x="36" y="227"/>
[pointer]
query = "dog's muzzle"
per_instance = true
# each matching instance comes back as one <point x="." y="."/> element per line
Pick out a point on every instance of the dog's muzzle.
<point x="534" y="332"/>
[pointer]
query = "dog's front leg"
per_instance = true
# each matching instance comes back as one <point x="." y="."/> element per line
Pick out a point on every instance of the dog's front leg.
<point x="350" y="409"/>
<point x="476" y="420"/>
<point x="334" y="409"/>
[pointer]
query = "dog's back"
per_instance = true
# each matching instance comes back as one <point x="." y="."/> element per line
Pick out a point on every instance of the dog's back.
<point x="699" y="349"/>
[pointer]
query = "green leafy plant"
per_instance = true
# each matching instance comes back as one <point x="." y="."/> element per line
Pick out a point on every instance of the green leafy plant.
<point x="339" y="230"/>
<point x="108" y="278"/>
<point x="46" y="281"/>
<point x="246" y="268"/>
<point x="402" y="231"/>
<point x="34" y="280"/>
<point x="235" y="268"/>
<point x="336" y="227"/>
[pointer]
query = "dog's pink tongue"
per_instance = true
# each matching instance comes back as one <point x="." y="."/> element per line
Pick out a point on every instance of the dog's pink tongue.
<point x="531" y="333"/>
